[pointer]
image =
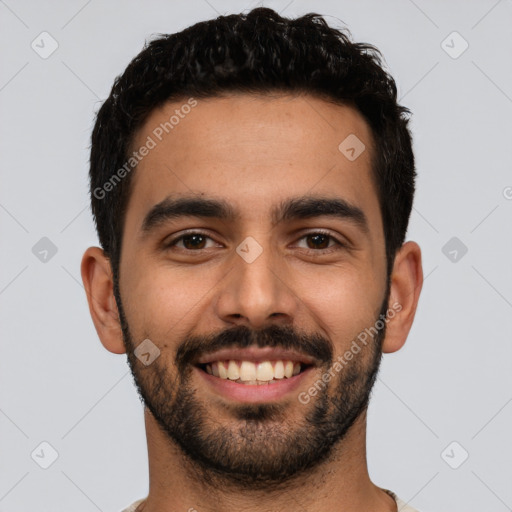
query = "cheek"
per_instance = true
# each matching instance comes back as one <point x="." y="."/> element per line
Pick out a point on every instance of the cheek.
<point x="165" y="302"/>
<point x="343" y="301"/>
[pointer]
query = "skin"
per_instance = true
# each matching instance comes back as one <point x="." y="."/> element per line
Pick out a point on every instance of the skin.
<point x="255" y="151"/>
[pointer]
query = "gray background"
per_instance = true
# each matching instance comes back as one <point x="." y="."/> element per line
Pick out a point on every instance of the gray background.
<point x="451" y="381"/>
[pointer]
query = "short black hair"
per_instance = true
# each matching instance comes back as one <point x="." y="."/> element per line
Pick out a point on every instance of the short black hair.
<point x="255" y="52"/>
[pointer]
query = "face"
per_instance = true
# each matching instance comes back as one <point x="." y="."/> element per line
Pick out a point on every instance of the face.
<point x="253" y="256"/>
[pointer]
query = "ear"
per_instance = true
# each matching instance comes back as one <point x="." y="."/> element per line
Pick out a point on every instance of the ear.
<point x="98" y="282"/>
<point x="406" y="283"/>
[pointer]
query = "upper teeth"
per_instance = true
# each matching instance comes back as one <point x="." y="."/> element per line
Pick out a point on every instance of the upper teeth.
<point x="250" y="371"/>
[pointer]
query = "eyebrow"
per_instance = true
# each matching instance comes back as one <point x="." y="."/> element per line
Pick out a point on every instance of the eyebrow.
<point x="304" y="207"/>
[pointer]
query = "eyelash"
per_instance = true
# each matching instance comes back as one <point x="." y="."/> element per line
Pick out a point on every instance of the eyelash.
<point x="338" y="245"/>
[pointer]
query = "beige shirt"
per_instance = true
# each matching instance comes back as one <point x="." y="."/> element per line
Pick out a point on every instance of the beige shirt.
<point x="401" y="505"/>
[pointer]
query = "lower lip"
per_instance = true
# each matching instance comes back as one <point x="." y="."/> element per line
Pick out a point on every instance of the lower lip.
<point x="252" y="393"/>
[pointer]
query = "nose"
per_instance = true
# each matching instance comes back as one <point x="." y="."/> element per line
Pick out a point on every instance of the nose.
<point x="257" y="293"/>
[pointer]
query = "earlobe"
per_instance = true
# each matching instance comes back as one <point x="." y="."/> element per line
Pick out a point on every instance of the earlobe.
<point x="406" y="284"/>
<point x="98" y="283"/>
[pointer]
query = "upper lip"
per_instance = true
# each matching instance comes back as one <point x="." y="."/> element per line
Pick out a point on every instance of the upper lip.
<point x="255" y="354"/>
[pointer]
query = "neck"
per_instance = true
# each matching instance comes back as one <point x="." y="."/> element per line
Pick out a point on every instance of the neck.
<point x="340" y="483"/>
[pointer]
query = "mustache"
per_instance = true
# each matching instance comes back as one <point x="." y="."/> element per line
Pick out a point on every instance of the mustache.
<point x="241" y="336"/>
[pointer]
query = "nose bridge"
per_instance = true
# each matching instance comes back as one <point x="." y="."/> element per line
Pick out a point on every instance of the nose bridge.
<point x="254" y="290"/>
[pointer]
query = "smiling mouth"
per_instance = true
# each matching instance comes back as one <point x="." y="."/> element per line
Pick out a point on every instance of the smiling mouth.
<point x="254" y="372"/>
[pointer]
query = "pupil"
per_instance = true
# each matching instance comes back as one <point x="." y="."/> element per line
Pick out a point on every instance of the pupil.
<point x="194" y="244"/>
<point x="317" y="237"/>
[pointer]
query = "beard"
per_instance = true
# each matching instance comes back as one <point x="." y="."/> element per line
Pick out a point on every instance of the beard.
<point x="262" y="446"/>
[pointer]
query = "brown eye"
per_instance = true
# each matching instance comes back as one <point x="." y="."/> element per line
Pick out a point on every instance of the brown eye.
<point x="318" y="241"/>
<point x="194" y="241"/>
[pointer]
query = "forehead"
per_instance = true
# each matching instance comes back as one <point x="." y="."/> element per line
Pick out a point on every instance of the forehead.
<point x="254" y="151"/>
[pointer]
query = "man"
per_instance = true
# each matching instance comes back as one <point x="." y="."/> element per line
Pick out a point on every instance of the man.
<point x="252" y="179"/>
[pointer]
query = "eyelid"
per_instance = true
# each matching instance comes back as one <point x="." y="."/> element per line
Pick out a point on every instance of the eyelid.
<point x="175" y="239"/>
<point x="318" y="231"/>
